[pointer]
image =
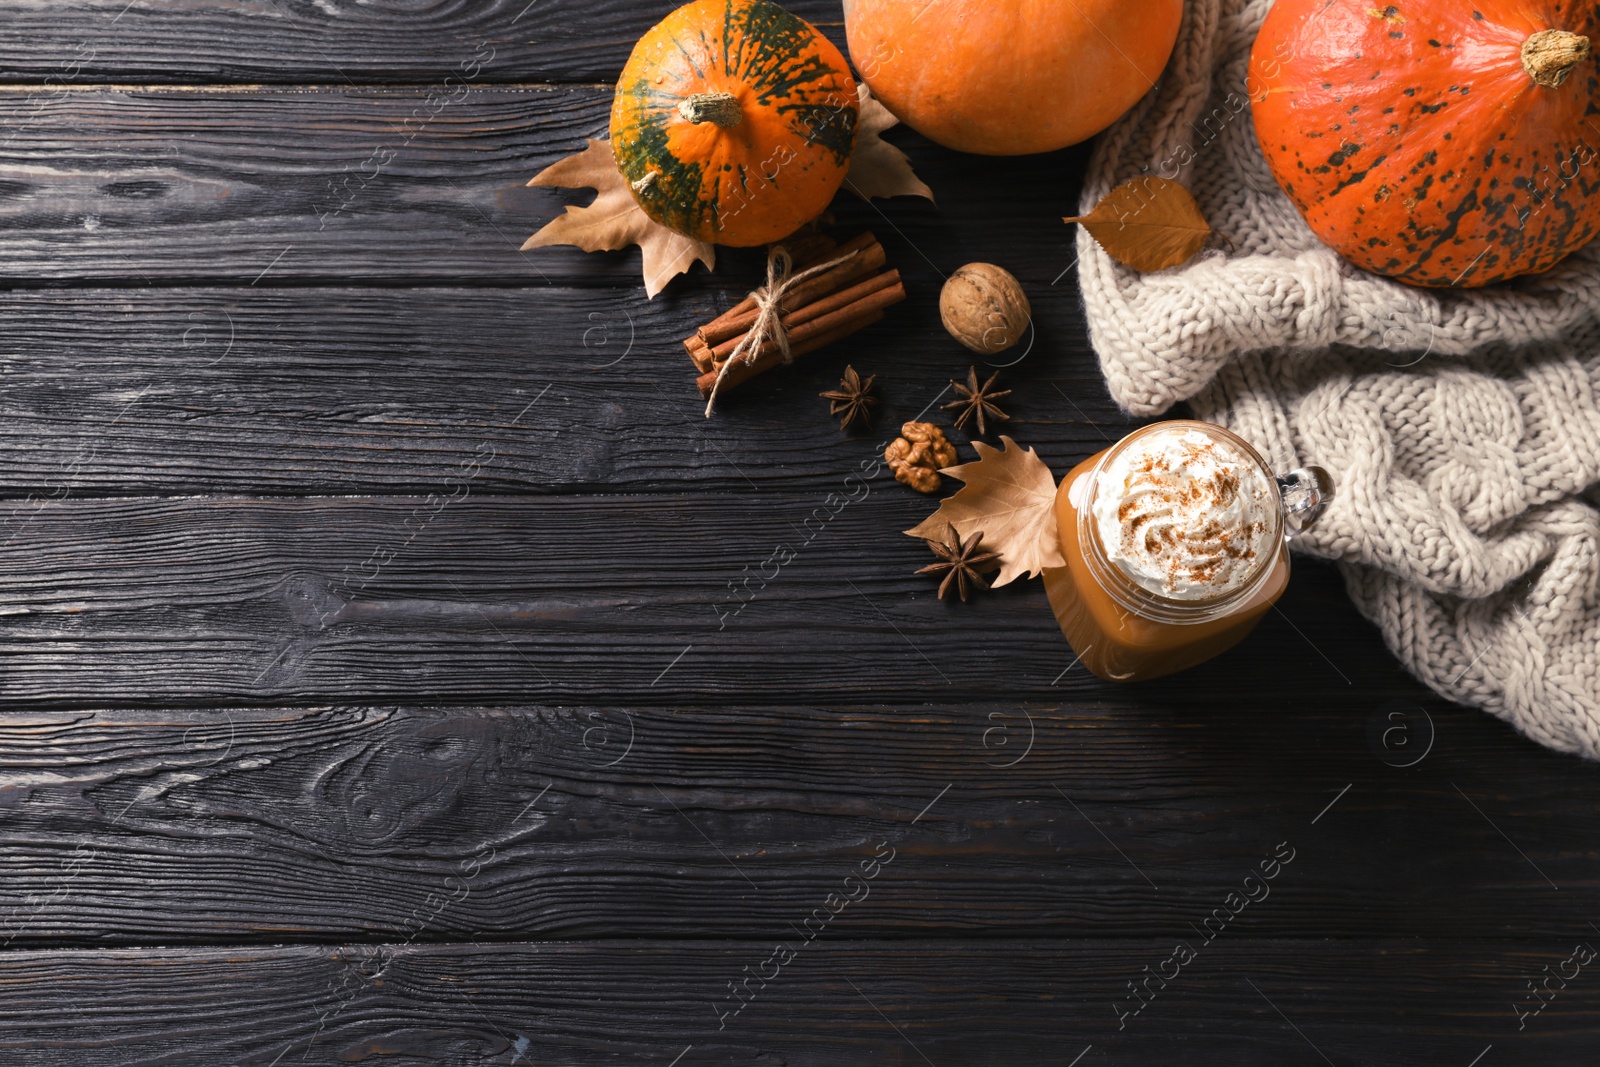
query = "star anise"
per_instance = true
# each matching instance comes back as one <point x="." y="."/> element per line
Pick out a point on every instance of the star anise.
<point x="977" y="400"/>
<point x="853" y="399"/>
<point x="961" y="560"/>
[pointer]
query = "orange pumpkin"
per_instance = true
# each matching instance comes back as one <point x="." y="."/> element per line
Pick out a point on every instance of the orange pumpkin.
<point x="1441" y="144"/>
<point x="734" y="121"/>
<point x="1010" y="77"/>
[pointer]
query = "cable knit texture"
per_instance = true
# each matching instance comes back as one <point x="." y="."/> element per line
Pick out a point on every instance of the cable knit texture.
<point x="1462" y="427"/>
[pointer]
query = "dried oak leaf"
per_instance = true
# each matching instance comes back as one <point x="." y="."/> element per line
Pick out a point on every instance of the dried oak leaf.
<point x="1010" y="498"/>
<point x="1148" y="224"/>
<point x="877" y="168"/>
<point x="614" y="220"/>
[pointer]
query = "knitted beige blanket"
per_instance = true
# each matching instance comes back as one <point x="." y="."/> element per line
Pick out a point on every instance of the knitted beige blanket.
<point x="1461" y="427"/>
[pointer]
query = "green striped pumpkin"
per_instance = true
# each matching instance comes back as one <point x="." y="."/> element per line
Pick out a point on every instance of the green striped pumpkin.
<point x="734" y="121"/>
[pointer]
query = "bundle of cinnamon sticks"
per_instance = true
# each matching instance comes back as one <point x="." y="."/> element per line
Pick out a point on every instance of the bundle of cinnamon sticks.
<point x="814" y="313"/>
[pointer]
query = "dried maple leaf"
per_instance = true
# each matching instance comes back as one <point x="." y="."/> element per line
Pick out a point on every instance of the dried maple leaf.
<point x="1148" y="224"/>
<point x="614" y="220"/>
<point x="1010" y="498"/>
<point x="877" y="168"/>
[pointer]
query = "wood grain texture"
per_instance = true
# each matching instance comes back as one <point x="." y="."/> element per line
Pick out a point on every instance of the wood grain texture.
<point x="729" y="598"/>
<point x="338" y="41"/>
<point x="382" y="391"/>
<point x="1251" y="1004"/>
<point x="156" y="187"/>
<point x="1122" y="819"/>
<point x="374" y="587"/>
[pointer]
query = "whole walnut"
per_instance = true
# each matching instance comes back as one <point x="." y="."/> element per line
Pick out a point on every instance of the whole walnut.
<point x="917" y="455"/>
<point x="983" y="306"/>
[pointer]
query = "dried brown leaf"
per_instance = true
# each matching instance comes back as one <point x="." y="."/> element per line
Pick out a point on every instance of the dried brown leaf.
<point x="1148" y="224"/>
<point x="614" y="220"/>
<point x="1010" y="498"/>
<point x="877" y="168"/>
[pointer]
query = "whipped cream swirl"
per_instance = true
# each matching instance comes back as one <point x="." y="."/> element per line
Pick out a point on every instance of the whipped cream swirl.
<point x="1185" y="515"/>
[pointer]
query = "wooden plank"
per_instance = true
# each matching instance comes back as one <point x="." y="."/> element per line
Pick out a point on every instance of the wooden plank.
<point x="1250" y="1004"/>
<point x="252" y="187"/>
<point x="337" y="41"/>
<point x="385" y="391"/>
<point x="1126" y="816"/>
<point x="729" y="598"/>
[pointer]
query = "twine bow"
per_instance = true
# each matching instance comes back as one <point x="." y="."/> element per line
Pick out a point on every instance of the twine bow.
<point x="768" y="325"/>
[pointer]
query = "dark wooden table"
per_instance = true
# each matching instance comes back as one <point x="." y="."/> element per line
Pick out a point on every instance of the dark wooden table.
<point x="371" y="692"/>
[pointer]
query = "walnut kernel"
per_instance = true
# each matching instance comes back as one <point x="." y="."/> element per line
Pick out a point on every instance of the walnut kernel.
<point x="918" y="454"/>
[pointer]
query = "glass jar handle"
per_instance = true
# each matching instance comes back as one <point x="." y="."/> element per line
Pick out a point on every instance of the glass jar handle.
<point x="1306" y="493"/>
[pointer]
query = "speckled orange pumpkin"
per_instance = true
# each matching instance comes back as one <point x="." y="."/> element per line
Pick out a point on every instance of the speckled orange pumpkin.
<point x="1441" y="144"/>
<point x="734" y="121"/>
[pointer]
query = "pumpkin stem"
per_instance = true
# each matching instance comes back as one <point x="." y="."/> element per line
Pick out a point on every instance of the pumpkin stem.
<point x="1550" y="55"/>
<point x="723" y="108"/>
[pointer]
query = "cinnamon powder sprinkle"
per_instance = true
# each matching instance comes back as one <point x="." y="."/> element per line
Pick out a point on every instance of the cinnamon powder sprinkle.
<point x="1157" y="514"/>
